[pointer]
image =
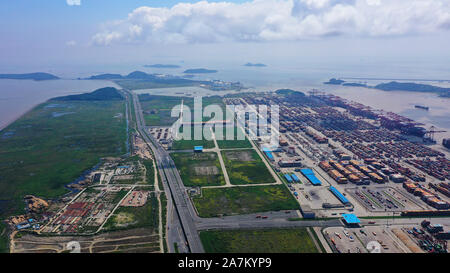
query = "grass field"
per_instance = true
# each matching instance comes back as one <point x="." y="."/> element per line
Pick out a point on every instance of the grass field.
<point x="235" y="143"/>
<point x="135" y="217"/>
<point x="244" y="200"/>
<point x="54" y="143"/>
<point x="258" y="241"/>
<point x="246" y="167"/>
<point x="157" y="109"/>
<point x="199" y="169"/>
<point x="185" y="144"/>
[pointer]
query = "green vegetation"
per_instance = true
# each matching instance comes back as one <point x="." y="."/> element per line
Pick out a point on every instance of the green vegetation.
<point x="157" y="109"/>
<point x="152" y="84"/>
<point x="135" y="217"/>
<point x="102" y="94"/>
<point x="119" y="196"/>
<point x="316" y="238"/>
<point x="150" y="172"/>
<point x="3" y="237"/>
<point x="54" y="143"/>
<point x="185" y="144"/>
<point x="244" y="200"/>
<point x="39" y="76"/>
<point x="235" y="143"/>
<point x="246" y="167"/>
<point x="164" y="219"/>
<point x="258" y="241"/>
<point x="199" y="169"/>
<point x="414" y="87"/>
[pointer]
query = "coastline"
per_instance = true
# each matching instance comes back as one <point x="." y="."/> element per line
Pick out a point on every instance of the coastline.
<point x="18" y="116"/>
<point x="27" y="95"/>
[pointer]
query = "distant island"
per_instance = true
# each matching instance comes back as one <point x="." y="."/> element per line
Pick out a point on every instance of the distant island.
<point x="162" y="65"/>
<point x="415" y="87"/>
<point x="355" y="84"/>
<point x="255" y="65"/>
<point x="106" y="77"/>
<point x="141" y="80"/>
<point x="39" y="76"/>
<point x="334" y="81"/>
<point x="397" y="86"/>
<point x="102" y="94"/>
<point x="199" y="71"/>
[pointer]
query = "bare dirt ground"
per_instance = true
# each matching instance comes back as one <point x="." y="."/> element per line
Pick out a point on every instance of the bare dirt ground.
<point x="142" y="149"/>
<point x="207" y="170"/>
<point x="239" y="155"/>
<point x="135" y="240"/>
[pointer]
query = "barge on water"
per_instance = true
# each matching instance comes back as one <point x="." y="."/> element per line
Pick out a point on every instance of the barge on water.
<point x="422" y="107"/>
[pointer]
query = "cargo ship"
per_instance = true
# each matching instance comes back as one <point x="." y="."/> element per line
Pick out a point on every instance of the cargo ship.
<point x="422" y="107"/>
<point x="446" y="143"/>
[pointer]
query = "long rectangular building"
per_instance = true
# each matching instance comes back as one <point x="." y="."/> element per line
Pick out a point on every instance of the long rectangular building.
<point x="309" y="174"/>
<point x="339" y="196"/>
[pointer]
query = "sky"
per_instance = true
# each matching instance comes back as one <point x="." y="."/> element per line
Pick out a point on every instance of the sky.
<point x="52" y="35"/>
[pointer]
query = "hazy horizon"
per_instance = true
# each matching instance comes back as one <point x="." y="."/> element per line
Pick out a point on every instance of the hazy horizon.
<point x="73" y="38"/>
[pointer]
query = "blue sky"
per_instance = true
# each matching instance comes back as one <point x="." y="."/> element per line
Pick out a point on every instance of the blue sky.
<point x="52" y="33"/>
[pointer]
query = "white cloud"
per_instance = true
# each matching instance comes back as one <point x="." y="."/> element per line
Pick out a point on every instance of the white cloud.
<point x="73" y="2"/>
<point x="272" y="20"/>
<point x="71" y="43"/>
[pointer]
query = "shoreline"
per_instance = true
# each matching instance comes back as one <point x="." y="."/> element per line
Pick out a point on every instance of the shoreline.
<point x="48" y="97"/>
<point x="14" y="119"/>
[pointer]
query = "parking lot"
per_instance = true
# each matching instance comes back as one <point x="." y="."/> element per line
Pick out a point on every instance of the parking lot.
<point x="360" y="240"/>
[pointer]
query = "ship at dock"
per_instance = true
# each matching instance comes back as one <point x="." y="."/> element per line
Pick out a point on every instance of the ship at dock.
<point x="388" y="120"/>
<point x="422" y="107"/>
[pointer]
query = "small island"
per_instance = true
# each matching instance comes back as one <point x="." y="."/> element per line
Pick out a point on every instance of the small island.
<point x="355" y="84"/>
<point x="106" y="77"/>
<point x="255" y="65"/>
<point x="334" y="81"/>
<point x="102" y="94"/>
<point x="397" y="86"/>
<point x="162" y="66"/>
<point x="141" y="80"/>
<point x="414" y="87"/>
<point x="199" y="71"/>
<point x="38" y="76"/>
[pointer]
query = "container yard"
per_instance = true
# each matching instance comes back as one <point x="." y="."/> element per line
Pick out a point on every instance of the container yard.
<point x="383" y="199"/>
<point x="347" y="156"/>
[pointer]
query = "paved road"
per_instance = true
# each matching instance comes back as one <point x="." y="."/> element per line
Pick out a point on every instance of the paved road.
<point x="172" y="179"/>
<point x="274" y="220"/>
<point x="185" y="223"/>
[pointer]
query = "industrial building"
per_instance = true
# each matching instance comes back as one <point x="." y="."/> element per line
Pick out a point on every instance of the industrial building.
<point x="309" y="174"/>
<point x="351" y="220"/>
<point x="339" y="196"/>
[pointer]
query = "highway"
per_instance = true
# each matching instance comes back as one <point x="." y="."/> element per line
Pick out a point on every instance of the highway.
<point x="183" y="221"/>
<point x="274" y="219"/>
<point x="171" y="178"/>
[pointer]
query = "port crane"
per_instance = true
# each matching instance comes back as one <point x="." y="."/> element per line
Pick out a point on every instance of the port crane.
<point x="429" y="134"/>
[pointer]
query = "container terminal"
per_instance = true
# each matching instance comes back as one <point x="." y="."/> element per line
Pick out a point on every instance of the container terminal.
<point x="351" y="158"/>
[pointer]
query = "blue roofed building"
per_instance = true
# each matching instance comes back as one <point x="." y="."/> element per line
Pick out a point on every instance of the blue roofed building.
<point x="288" y="178"/>
<point x="198" y="149"/>
<point x="350" y="219"/>
<point x="295" y="178"/>
<point x="339" y="196"/>
<point x="309" y="174"/>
